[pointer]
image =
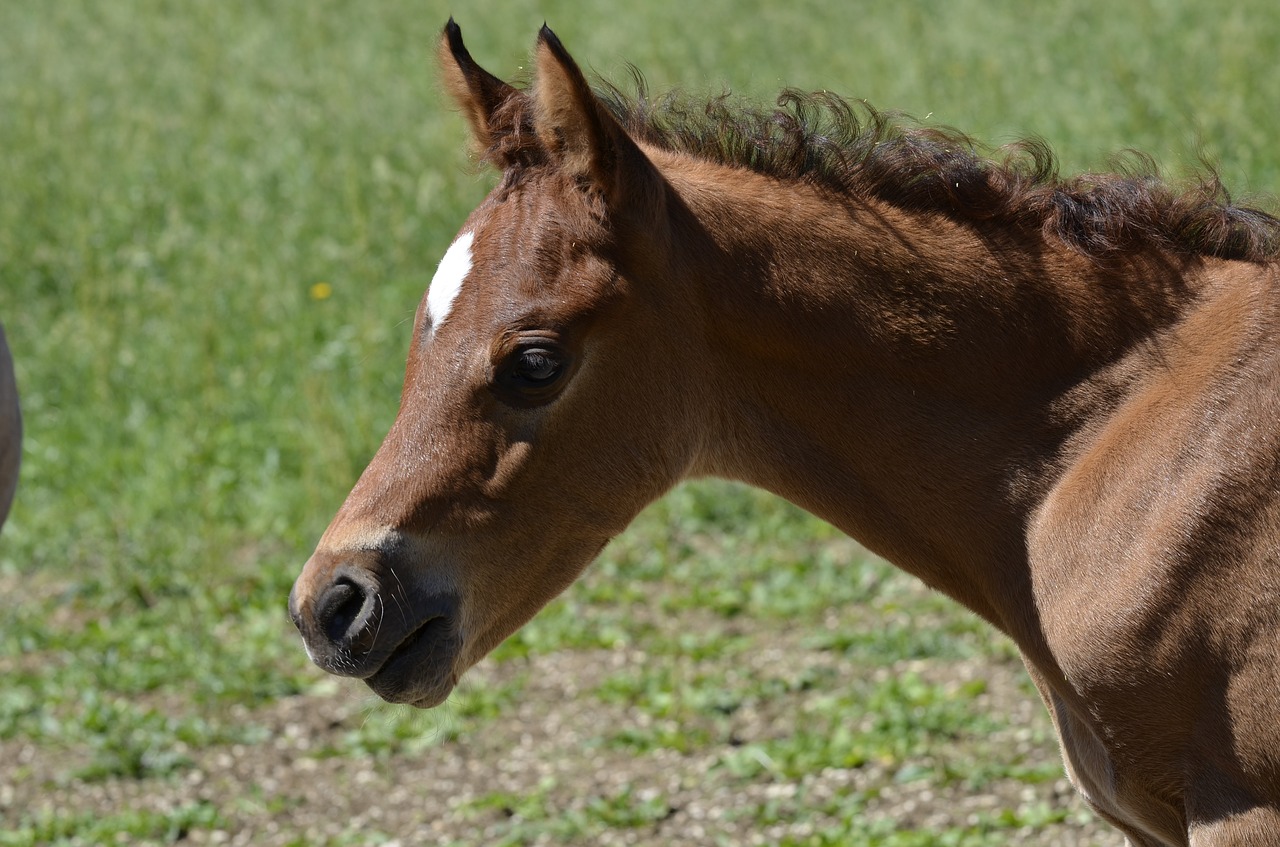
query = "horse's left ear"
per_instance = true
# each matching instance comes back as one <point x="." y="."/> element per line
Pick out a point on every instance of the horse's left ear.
<point x="582" y="136"/>
<point x="479" y="94"/>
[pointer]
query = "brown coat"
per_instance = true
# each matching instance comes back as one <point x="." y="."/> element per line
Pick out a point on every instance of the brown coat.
<point x="1055" y="400"/>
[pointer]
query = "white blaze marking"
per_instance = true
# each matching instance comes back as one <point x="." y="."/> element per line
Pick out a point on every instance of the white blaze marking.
<point x="447" y="282"/>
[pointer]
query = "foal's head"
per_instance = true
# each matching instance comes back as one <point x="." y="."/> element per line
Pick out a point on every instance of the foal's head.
<point x="543" y="404"/>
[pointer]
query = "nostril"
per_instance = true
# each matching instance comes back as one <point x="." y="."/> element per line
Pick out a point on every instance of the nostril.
<point x="339" y="609"/>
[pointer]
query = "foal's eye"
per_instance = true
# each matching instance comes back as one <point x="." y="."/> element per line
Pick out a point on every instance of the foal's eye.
<point x="530" y="375"/>
<point x="536" y="366"/>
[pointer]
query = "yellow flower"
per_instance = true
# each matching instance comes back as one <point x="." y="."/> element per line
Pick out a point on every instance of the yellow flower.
<point x="321" y="291"/>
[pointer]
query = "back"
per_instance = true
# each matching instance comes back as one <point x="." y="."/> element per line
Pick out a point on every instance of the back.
<point x="10" y="429"/>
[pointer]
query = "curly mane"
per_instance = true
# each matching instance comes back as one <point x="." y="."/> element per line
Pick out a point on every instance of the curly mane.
<point x="846" y="147"/>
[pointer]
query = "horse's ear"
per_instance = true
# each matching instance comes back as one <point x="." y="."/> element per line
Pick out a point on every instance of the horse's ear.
<point x="579" y="132"/>
<point x="478" y="93"/>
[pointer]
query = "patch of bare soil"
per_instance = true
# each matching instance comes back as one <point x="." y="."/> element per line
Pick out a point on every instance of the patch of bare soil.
<point x="288" y="790"/>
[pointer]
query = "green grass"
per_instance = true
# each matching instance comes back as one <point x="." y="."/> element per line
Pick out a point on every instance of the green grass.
<point x="126" y="827"/>
<point x="175" y="181"/>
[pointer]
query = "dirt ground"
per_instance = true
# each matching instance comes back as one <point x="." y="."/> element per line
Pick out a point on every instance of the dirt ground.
<point x="285" y="791"/>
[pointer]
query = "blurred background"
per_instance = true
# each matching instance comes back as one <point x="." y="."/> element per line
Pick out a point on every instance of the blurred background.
<point x="216" y="221"/>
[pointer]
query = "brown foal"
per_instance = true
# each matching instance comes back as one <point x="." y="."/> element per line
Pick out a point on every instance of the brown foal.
<point x="1054" y="400"/>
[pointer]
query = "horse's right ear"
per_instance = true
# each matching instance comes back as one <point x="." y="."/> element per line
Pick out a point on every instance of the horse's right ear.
<point x="478" y="93"/>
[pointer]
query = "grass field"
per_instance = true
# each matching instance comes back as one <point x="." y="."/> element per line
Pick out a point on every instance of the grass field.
<point x="216" y="220"/>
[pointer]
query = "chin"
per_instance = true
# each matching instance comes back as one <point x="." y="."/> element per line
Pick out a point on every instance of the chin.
<point x="422" y="671"/>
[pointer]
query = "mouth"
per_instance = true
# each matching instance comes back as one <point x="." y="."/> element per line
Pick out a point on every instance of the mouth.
<point x="420" y="670"/>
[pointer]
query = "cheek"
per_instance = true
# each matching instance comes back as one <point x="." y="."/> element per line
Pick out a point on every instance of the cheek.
<point x="509" y="468"/>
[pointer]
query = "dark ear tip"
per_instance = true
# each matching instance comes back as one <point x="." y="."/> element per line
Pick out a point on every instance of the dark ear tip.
<point x="546" y="36"/>
<point x="453" y="32"/>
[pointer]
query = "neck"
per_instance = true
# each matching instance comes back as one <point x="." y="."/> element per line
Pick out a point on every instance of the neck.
<point x="916" y="382"/>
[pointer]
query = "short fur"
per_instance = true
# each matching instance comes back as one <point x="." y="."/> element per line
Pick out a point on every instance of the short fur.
<point x="1054" y="400"/>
